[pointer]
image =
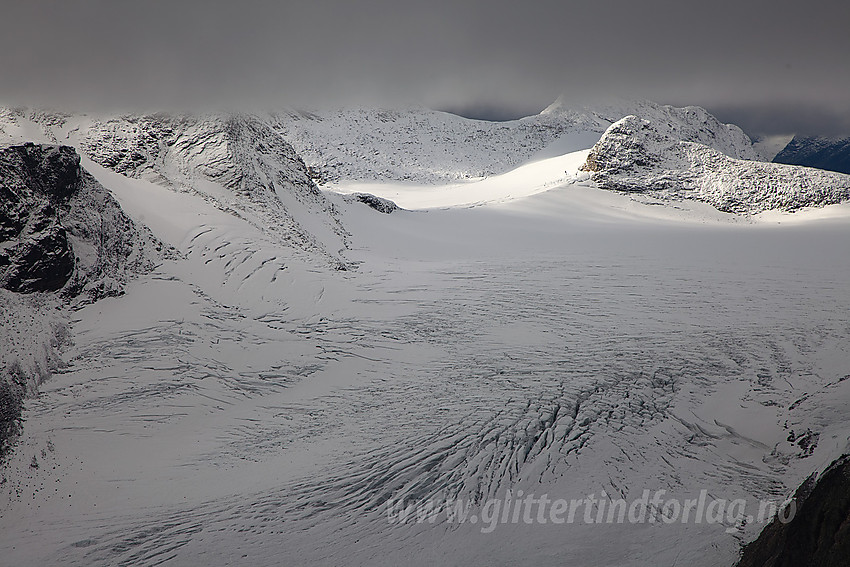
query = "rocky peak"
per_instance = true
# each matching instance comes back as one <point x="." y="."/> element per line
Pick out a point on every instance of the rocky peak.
<point x="59" y="228"/>
<point x="670" y="162"/>
<point x="52" y="170"/>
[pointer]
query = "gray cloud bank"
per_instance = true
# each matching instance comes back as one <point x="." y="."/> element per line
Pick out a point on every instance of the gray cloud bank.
<point x="775" y="65"/>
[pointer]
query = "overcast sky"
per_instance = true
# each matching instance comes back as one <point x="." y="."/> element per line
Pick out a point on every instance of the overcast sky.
<point x="770" y="66"/>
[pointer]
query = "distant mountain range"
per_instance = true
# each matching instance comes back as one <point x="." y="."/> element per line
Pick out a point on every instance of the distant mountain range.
<point x="815" y="151"/>
<point x="420" y="145"/>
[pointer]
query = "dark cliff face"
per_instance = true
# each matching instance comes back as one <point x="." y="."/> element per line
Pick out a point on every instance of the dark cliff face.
<point x="60" y="231"/>
<point x="819" y="533"/>
<point x="35" y="181"/>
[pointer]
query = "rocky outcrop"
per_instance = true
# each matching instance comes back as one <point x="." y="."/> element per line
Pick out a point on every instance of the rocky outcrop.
<point x="378" y="203"/>
<point x="638" y="155"/>
<point x="818" y="535"/>
<point x="35" y="182"/>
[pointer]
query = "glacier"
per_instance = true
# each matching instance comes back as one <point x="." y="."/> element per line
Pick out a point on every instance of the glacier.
<point x="292" y="361"/>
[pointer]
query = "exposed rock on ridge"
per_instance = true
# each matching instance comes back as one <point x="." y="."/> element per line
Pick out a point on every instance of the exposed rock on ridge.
<point x="644" y="156"/>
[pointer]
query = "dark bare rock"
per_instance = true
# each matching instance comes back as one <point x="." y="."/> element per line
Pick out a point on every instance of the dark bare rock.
<point x="378" y="203"/>
<point x="35" y="182"/>
<point x="819" y="533"/>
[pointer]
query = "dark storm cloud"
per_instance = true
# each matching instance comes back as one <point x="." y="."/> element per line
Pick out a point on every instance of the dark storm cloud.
<point x="502" y="54"/>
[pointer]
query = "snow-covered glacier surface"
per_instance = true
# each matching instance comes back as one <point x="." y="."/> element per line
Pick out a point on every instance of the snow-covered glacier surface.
<point x="246" y="403"/>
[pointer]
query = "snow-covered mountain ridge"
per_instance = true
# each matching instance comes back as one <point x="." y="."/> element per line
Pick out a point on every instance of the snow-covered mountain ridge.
<point x="235" y="161"/>
<point x="640" y="155"/>
<point x="263" y="178"/>
<point x="427" y="146"/>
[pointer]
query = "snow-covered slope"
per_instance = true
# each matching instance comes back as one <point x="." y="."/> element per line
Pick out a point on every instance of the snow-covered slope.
<point x="426" y="146"/>
<point x="649" y="156"/>
<point x="262" y="176"/>
<point x="415" y="144"/>
<point x="526" y="180"/>
<point x="235" y="161"/>
<point x="237" y="405"/>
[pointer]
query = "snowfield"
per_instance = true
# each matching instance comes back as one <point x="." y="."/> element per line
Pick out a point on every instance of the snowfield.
<point x="257" y="400"/>
<point x="526" y="180"/>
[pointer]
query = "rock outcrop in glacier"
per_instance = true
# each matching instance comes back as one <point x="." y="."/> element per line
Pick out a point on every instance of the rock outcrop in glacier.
<point x="378" y="203"/>
<point x="654" y="157"/>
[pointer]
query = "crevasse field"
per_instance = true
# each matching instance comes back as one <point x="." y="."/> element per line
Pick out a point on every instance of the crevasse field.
<point x="243" y="405"/>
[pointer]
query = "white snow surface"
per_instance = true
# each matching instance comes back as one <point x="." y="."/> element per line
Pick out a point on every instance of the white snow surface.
<point x="528" y="179"/>
<point x="247" y="403"/>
